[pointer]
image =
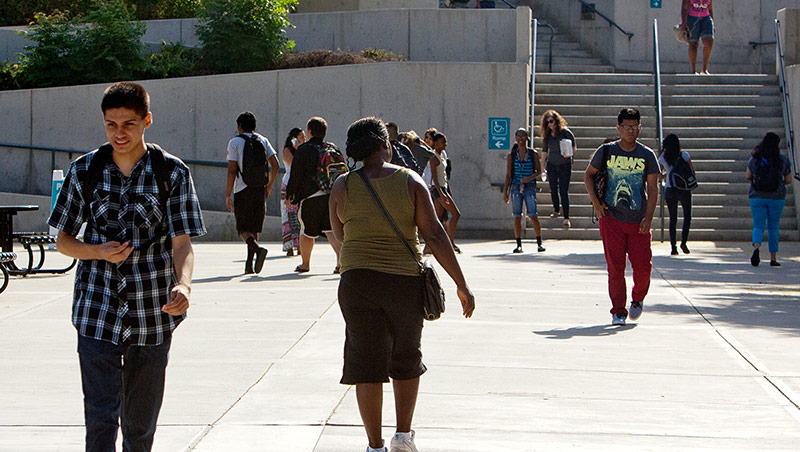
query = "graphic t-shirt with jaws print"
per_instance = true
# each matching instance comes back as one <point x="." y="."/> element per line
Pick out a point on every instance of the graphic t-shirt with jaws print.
<point x="626" y="196"/>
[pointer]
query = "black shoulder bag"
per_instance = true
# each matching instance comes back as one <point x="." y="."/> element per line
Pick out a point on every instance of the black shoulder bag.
<point x="432" y="295"/>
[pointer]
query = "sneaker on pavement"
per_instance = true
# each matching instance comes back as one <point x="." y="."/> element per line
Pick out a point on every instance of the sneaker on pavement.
<point x="517" y="250"/>
<point x="382" y="449"/>
<point x="618" y="319"/>
<point x="674" y="251"/>
<point x="261" y="254"/>
<point x="400" y="443"/>
<point x="540" y="248"/>
<point x="635" y="310"/>
<point x="685" y="248"/>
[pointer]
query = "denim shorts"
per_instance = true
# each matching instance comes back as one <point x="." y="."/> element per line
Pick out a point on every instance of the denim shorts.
<point x="700" y="27"/>
<point x="529" y="196"/>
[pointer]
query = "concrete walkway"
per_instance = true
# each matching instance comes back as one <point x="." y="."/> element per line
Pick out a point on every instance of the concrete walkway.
<point x="711" y="365"/>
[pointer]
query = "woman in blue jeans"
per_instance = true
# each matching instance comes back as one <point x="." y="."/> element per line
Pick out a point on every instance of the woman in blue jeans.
<point x="768" y="172"/>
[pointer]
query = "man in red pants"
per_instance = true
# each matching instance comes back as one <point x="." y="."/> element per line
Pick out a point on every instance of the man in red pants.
<point x="625" y="211"/>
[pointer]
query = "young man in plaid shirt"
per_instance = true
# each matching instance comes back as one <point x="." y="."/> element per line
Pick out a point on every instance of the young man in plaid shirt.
<point x="133" y="281"/>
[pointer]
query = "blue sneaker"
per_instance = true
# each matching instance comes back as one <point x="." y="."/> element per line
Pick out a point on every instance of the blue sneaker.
<point x="635" y="310"/>
<point x="618" y="319"/>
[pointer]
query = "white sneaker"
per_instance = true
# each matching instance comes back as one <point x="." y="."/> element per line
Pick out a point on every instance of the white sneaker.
<point x="618" y="319"/>
<point x="382" y="449"/>
<point x="401" y="444"/>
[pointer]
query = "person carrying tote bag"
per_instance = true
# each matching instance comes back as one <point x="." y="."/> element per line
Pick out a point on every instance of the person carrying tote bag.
<point x="381" y="289"/>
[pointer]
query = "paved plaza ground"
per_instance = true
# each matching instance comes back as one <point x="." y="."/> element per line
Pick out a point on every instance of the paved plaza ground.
<point x="711" y="365"/>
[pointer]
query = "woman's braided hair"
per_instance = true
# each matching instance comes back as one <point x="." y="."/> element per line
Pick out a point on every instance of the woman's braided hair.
<point x="365" y="137"/>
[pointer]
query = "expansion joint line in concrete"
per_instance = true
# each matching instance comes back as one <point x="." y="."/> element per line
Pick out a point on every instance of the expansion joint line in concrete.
<point x="203" y="433"/>
<point x="729" y="342"/>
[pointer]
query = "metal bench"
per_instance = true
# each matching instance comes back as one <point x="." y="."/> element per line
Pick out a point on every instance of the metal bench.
<point x="28" y="240"/>
<point x="5" y="259"/>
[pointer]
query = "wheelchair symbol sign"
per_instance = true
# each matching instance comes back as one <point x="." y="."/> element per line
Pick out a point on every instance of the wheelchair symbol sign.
<point x="499" y="133"/>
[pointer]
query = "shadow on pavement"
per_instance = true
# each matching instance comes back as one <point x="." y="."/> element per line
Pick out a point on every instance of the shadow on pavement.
<point x="586" y="331"/>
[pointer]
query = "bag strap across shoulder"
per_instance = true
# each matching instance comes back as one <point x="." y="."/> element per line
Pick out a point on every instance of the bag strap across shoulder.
<point x="388" y="217"/>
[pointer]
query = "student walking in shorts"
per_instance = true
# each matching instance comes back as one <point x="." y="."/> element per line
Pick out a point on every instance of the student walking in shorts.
<point x="250" y="156"/>
<point x="522" y="169"/>
<point x="697" y="18"/>
<point x="625" y="211"/>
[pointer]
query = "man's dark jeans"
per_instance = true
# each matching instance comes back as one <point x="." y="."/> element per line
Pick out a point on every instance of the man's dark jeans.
<point x="559" y="177"/>
<point x="121" y="383"/>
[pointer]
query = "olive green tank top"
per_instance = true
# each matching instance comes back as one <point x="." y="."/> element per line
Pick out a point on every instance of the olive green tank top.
<point x="369" y="240"/>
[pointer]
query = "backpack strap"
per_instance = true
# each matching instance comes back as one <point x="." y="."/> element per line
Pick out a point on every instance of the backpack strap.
<point x="246" y="140"/>
<point x="103" y="156"/>
<point x="95" y="172"/>
<point x="159" y="165"/>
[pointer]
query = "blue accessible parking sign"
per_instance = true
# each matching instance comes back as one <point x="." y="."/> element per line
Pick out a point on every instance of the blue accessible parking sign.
<point x="499" y="133"/>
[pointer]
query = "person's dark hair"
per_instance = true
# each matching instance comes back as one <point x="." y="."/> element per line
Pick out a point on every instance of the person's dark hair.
<point x="629" y="113"/>
<point x="247" y="121"/>
<point x="292" y="134"/>
<point x="768" y="148"/>
<point x="318" y="127"/>
<point x="438" y="136"/>
<point x="391" y="125"/>
<point x="364" y="137"/>
<point x="671" y="149"/>
<point x="430" y="132"/>
<point x="126" y="95"/>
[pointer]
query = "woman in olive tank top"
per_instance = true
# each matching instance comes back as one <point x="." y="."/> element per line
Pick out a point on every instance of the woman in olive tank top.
<point x="380" y="291"/>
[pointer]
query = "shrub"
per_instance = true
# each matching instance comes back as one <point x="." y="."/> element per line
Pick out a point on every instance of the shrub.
<point x="9" y="75"/>
<point x="243" y="35"/>
<point x="174" y="60"/>
<point x="70" y="51"/>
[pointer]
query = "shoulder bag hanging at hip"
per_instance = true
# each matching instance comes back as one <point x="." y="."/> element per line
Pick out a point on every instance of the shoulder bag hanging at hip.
<point x="432" y="295"/>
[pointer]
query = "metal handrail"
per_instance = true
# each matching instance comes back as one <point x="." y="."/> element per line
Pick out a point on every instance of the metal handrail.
<point x="659" y="106"/>
<point x="54" y="151"/>
<point x="755" y="44"/>
<point x="550" y="45"/>
<point x="610" y="21"/>
<point x="785" y="99"/>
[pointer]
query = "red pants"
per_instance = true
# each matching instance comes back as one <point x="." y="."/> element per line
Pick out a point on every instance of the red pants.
<point x="621" y="239"/>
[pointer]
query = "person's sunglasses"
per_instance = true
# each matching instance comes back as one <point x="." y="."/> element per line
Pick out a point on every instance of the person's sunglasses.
<point x="551" y="121"/>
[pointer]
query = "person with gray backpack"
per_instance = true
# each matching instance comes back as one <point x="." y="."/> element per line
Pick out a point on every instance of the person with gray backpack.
<point x="679" y="176"/>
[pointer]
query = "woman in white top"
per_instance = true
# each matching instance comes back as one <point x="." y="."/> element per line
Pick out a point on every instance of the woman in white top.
<point x="440" y="189"/>
<point x="670" y="153"/>
<point x="290" y="225"/>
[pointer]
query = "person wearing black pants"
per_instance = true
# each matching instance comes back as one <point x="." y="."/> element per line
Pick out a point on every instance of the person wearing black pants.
<point x="559" y="177"/>
<point x="673" y="196"/>
<point x="558" y="147"/>
<point x="670" y="153"/>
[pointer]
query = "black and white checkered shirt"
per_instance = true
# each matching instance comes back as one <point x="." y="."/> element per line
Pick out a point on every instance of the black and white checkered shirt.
<point x="121" y="303"/>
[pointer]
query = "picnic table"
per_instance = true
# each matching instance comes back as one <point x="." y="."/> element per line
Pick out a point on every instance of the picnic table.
<point x="29" y="241"/>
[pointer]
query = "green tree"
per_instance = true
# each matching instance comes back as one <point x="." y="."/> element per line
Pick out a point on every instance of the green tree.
<point x="105" y="45"/>
<point x="244" y="35"/>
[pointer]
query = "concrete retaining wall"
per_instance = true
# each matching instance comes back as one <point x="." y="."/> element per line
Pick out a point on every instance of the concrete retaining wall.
<point x="417" y="34"/>
<point x="195" y="117"/>
<point x="736" y="21"/>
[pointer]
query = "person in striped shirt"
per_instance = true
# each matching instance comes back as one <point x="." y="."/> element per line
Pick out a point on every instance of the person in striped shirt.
<point x="522" y="170"/>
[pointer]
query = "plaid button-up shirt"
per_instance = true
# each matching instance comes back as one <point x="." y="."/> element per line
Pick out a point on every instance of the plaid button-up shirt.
<point x="121" y="303"/>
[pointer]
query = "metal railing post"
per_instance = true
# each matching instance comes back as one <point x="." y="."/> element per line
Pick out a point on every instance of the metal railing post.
<point x="659" y="107"/>
<point x="534" y="30"/>
<point x="785" y="100"/>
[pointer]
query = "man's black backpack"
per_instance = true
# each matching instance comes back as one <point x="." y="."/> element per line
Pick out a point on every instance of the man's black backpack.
<point x="254" y="162"/>
<point x="682" y="176"/>
<point x="768" y="174"/>
<point x="103" y="156"/>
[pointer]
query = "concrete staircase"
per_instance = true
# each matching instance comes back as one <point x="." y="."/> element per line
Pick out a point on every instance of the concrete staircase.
<point x="719" y="119"/>
<point x="567" y="56"/>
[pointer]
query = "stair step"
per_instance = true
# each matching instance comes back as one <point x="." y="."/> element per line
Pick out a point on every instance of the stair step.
<point x="698" y="223"/>
<point x="648" y="99"/>
<point x="673" y="121"/>
<point x="560" y="68"/>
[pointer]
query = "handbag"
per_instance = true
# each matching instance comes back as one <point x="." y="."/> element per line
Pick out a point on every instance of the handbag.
<point x="432" y="294"/>
<point x="681" y="34"/>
